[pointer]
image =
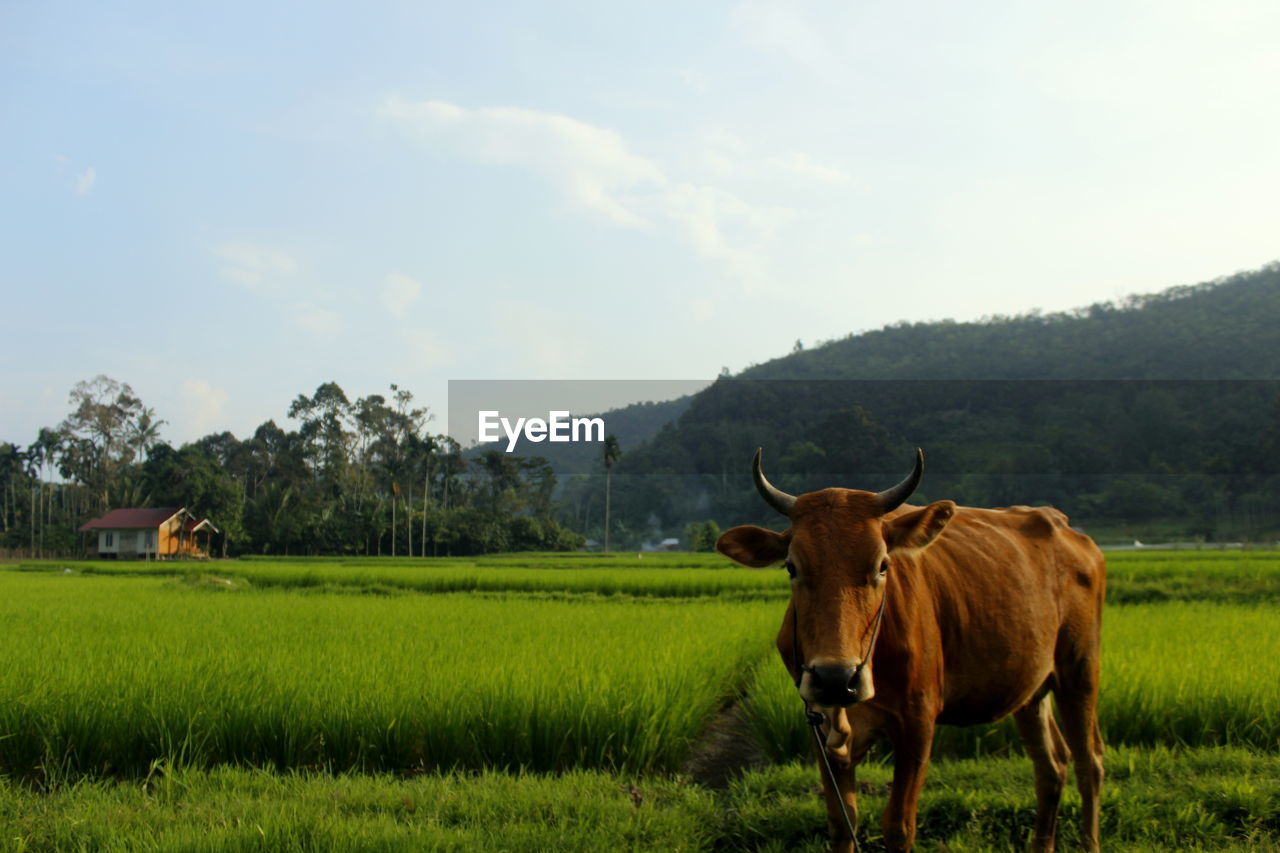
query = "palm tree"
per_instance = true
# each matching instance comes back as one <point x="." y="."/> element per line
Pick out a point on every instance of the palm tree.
<point x="611" y="453"/>
<point x="12" y="462"/>
<point x="34" y="459"/>
<point x="47" y="448"/>
<point x="146" y="431"/>
<point x="271" y="510"/>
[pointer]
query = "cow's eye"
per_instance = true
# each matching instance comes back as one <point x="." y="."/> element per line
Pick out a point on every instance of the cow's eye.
<point x="884" y="567"/>
<point x="791" y="570"/>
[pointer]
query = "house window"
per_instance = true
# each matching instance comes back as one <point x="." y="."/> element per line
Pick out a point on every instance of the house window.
<point x="146" y="540"/>
<point x="110" y="539"/>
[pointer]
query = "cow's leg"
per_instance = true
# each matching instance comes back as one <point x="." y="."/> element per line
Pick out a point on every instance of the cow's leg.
<point x="1077" y="697"/>
<point x="844" y="770"/>
<point x="912" y="744"/>
<point x="1049" y="758"/>
<point x="865" y="730"/>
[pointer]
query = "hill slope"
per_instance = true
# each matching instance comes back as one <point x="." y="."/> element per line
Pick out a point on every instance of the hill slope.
<point x="1225" y="329"/>
<point x="1127" y="426"/>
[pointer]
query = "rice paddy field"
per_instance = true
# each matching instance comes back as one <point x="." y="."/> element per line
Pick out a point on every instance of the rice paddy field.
<point x="567" y="702"/>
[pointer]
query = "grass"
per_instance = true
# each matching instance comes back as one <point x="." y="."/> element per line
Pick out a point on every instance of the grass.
<point x="107" y="675"/>
<point x="1244" y="577"/>
<point x="530" y="703"/>
<point x="653" y="578"/>
<point x="1133" y="577"/>
<point x="1214" y="799"/>
<point x="285" y="680"/>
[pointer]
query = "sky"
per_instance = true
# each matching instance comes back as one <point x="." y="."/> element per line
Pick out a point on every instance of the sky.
<point x="227" y="204"/>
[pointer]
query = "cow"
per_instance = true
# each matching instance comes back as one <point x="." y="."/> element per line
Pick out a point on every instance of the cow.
<point x="902" y="617"/>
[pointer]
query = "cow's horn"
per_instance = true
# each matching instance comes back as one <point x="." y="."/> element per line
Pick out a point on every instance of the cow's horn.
<point x="779" y="500"/>
<point x="891" y="499"/>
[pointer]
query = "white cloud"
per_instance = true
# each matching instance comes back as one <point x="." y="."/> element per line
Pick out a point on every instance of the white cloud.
<point x="85" y="181"/>
<point x="591" y="165"/>
<point x="399" y="292"/>
<point x="316" y="319"/>
<point x="801" y="164"/>
<point x="204" y="407"/>
<point x="252" y="265"/>
<point x="729" y="158"/>
<point x="719" y="224"/>
<point x="593" y="168"/>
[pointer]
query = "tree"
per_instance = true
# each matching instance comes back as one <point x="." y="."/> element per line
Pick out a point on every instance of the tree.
<point x="194" y="478"/>
<point x="99" y="432"/>
<point x="42" y="456"/>
<point x="701" y="535"/>
<point x="326" y="419"/>
<point x="12" y="468"/>
<point x="269" y="519"/>
<point x="146" y="431"/>
<point x="611" y="453"/>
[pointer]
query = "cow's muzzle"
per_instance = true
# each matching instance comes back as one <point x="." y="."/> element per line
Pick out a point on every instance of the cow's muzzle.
<point x="831" y="685"/>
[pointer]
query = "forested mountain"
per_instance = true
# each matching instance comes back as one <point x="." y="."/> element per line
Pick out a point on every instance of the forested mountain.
<point x="1225" y="329"/>
<point x="1161" y="406"/>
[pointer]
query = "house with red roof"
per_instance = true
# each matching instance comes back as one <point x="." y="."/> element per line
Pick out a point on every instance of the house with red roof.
<point x="130" y="534"/>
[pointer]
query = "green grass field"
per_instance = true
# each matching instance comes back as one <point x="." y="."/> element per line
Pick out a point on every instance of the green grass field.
<point x="1156" y="800"/>
<point x="656" y="575"/>
<point x="1134" y="577"/>
<point x="111" y="673"/>
<point x="553" y="702"/>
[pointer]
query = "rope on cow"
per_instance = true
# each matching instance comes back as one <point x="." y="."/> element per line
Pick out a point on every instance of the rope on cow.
<point x="815" y="723"/>
<point x="815" y="718"/>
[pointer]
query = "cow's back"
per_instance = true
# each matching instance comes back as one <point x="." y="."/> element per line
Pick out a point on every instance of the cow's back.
<point x="997" y="590"/>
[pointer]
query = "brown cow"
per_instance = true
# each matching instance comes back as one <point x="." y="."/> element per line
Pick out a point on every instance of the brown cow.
<point x="981" y="613"/>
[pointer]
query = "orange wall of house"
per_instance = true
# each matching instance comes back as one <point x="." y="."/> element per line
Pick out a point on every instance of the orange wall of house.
<point x="171" y="539"/>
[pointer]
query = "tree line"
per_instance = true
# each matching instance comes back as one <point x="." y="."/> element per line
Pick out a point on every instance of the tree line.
<point x="1157" y="407"/>
<point x="358" y="476"/>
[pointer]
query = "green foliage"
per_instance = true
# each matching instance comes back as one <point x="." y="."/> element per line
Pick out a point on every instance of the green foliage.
<point x="1210" y="575"/>
<point x="171" y="682"/>
<point x="107" y="429"/>
<point x="649" y="577"/>
<point x="1160" y="799"/>
<point x="115" y="673"/>
<point x="191" y="477"/>
<point x="701" y="535"/>
<point x="1227" y="577"/>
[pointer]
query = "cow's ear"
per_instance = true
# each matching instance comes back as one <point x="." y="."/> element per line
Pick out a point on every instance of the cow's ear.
<point x="753" y="546"/>
<point x="917" y="529"/>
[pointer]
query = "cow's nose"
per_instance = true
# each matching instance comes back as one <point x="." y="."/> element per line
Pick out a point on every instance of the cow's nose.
<point x="833" y="685"/>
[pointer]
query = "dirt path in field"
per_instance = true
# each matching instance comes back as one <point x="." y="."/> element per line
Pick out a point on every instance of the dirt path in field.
<point x="724" y="750"/>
